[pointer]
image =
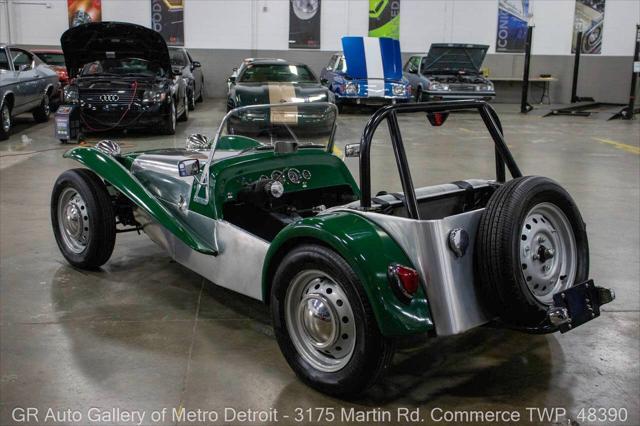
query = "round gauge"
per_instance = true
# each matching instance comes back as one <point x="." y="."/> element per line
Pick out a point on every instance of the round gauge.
<point x="264" y="177"/>
<point x="276" y="175"/>
<point x="306" y="174"/>
<point x="293" y="175"/>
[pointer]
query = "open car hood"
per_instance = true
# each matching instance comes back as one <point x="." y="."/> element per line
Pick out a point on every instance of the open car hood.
<point x="372" y="57"/>
<point x="447" y="57"/>
<point x="100" y="40"/>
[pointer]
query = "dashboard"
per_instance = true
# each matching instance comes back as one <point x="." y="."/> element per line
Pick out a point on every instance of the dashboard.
<point x="290" y="175"/>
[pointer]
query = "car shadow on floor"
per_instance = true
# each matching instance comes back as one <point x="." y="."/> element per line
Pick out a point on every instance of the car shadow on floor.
<point x="495" y="365"/>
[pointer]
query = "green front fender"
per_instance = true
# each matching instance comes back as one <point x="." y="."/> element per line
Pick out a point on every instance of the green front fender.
<point x="369" y="250"/>
<point x="109" y="169"/>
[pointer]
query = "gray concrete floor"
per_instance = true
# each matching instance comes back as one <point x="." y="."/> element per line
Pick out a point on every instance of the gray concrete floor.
<point x="145" y="333"/>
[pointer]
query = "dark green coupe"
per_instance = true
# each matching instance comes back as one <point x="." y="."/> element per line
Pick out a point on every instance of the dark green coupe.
<point x="260" y="81"/>
<point x="279" y="218"/>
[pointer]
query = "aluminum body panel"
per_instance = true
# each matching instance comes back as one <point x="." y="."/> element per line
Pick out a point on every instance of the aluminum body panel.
<point x="238" y="265"/>
<point x="448" y="280"/>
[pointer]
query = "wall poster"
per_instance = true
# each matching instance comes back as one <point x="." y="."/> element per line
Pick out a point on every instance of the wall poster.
<point x="384" y="18"/>
<point x="84" y="11"/>
<point x="167" y="18"/>
<point x="512" y="25"/>
<point x="304" y="24"/>
<point x="588" y="18"/>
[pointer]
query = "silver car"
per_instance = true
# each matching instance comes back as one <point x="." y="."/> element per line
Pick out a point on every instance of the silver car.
<point x="26" y="85"/>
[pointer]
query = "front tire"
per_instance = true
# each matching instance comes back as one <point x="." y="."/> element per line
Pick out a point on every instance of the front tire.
<point x="5" y="121"/>
<point x="42" y="113"/>
<point x="531" y="244"/>
<point x="324" y="323"/>
<point x="169" y="125"/>
<point x="83" y="219"/>
<point x="191" y="99"/>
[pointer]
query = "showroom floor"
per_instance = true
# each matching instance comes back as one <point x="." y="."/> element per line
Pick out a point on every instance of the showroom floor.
<point x="145" y="333"/>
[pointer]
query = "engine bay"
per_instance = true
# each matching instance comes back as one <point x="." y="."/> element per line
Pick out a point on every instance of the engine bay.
<point x="263" y="208"/>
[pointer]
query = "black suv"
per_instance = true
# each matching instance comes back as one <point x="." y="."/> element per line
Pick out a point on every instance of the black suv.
<point x="121" y="78"/>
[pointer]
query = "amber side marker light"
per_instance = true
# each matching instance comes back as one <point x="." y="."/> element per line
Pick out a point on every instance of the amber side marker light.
<point x="404" y="281"/>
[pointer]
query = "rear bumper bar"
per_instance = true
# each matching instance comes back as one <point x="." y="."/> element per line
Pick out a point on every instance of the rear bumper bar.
<point x="578" y="305"/>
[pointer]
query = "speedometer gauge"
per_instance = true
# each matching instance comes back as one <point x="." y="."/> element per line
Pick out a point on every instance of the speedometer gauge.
<point x="293" y="175"/>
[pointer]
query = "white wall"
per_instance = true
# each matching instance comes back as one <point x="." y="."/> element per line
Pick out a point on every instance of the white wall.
<point x="264" y="24"/>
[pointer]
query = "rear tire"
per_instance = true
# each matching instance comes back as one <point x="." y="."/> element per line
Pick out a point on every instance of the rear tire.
<point x="531" y="244"/>
<point x="83" y="219"/>
<point x="5" y="121"/>
<point x="185" y="112"/>
<point x="42" y="113"/>
<point x="324" y="323"/>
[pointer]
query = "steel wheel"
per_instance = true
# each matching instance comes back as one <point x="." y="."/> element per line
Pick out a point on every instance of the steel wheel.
<point x="73" y="220"/>
<point x="6" y="118"/>
<point x="46" y="107"/>
<point x="320" y="320"/>
<point x="548" y="253"/>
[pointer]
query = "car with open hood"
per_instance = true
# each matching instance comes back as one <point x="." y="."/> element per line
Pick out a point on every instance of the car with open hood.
<point x="121" y="78"/>
<point x="26" y="85"/>
<point x="368" y="71"/>
<point x="279" y="218"/>
<point x="449" y="71"/>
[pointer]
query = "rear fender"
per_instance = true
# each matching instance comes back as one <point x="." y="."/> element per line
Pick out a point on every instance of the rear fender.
<point x="369" y="251"/>
<point x="112" y="171"/>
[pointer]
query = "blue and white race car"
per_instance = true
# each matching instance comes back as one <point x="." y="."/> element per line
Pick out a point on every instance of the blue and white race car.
<point x="368" y="71"/>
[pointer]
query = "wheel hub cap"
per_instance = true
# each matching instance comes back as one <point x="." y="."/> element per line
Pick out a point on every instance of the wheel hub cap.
<point x="548" y="253"/>
<point x="320" y="321"/>
<point x="6" y="119"/>
<point x="73" y="220"/>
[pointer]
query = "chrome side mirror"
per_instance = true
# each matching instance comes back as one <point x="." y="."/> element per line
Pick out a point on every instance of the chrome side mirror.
<point x="189" y="167"/>
<point x="352" y="150"/>
<point x="198" y="142"/>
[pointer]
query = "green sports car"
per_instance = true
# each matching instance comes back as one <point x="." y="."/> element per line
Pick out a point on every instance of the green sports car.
<point x="279" y="218"/>
<point x="260" y="81"/>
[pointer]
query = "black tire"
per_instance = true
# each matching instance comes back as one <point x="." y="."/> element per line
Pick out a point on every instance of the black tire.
<point x="6" y="121"/>
<point x="419" y="94"/>
<point x="169" y="125"/>
<point x="372" y="352"/>
<point x="99" y="211"/>
<point x="501" y="279"/>
<point x="185" y="109"/>
<point x="191" y="99"/>
<point x="42" y="113"/>
<point x="200" y="97"/>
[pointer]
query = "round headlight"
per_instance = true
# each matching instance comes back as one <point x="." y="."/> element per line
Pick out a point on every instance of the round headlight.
<point x="70" y="94"/>
<point x="351" y="88"/>
<point x="397" y="89"/>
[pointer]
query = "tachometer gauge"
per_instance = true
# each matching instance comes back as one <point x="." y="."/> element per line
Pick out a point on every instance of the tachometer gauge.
<point x="306" y="174"/>
<point x="293" y="175"/>
<point x="276" y="175"/>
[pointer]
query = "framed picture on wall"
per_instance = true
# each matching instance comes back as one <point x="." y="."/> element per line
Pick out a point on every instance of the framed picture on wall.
<point x="304" y="24"/>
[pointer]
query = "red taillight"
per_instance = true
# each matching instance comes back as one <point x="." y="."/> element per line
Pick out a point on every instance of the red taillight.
<point x="404" y="281"/>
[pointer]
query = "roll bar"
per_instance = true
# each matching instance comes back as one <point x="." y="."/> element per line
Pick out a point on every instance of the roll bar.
<point x="389" y="113"/>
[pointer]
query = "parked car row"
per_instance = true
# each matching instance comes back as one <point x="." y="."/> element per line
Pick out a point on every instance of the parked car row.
<point x="124" y="76"/>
